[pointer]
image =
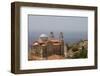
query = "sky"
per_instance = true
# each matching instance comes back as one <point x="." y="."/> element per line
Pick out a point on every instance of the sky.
<point x="74" y="28"/>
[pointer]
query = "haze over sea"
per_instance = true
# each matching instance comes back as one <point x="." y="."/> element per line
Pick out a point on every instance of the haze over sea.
<point x="73" y="28"/>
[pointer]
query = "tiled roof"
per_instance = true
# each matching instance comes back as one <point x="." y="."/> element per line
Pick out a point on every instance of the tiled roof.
<point x="39" y="42"/>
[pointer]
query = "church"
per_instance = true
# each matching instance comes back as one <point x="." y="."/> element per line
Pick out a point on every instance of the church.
<point x="47" y="46"/>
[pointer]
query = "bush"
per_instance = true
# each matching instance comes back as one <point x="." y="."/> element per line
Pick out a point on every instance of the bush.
<point x="80" y="54"/>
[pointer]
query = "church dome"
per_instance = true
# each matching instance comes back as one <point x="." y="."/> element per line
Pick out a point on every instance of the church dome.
<point x="43" y="37"/>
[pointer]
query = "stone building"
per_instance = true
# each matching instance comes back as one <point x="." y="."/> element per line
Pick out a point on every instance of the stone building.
<point x="46" y="46"/>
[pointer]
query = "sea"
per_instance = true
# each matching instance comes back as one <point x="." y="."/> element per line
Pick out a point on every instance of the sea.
<point x="69" y="37"/>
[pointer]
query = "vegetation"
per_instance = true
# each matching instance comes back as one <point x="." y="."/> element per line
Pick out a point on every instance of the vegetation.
<point x="78" y="50"/>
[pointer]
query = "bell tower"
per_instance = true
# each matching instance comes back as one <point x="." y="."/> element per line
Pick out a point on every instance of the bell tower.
<point x="51" y="35"/>
<point x="61" y="38"/>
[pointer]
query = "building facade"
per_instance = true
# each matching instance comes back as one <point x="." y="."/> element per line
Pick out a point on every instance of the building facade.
<point x="47" y="46"/>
